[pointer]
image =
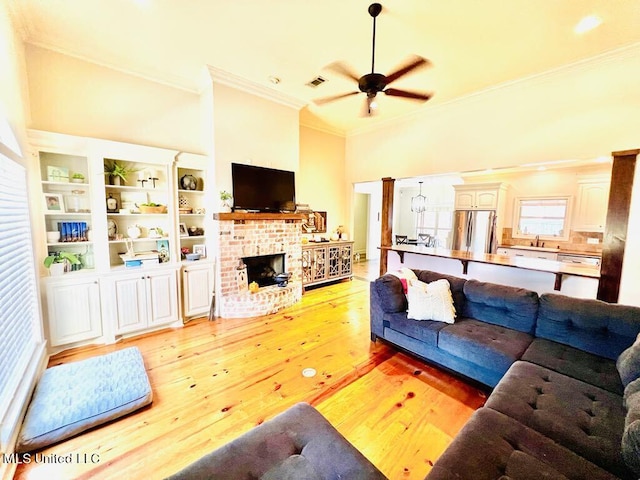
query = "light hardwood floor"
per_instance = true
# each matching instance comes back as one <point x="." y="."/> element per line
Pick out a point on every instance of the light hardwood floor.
<point x="212" y="381"/>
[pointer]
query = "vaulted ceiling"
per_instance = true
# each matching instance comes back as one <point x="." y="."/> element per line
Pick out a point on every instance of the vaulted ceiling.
<point x="471" y="44"/>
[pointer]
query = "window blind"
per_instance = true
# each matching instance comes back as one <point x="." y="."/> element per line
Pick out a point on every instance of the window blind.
<point x="19" y="312"/>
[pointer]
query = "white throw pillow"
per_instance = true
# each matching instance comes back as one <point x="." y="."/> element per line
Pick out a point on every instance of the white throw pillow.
<point x="404" y="272"/>
<point x="430" y="301"/>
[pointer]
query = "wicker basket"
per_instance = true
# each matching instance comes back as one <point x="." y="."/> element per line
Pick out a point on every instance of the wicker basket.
<point x="148" y="209"/>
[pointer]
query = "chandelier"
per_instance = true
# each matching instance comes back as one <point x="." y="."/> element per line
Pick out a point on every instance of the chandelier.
<point x="419" y="202"/>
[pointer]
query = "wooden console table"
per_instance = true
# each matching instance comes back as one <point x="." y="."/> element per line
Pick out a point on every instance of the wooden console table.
<point x="324" y="262"/>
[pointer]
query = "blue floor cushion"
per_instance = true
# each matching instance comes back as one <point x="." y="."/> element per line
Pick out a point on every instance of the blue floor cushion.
<point x="74" y="397"/>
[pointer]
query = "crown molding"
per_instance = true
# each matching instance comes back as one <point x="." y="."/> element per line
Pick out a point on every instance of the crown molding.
<point x="325" y="129"/>
<point x="231" y="80"/>
<point x="630" y="51"/>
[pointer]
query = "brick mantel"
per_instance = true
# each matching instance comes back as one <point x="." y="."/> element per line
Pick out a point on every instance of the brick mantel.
<point x="241" y="235"/>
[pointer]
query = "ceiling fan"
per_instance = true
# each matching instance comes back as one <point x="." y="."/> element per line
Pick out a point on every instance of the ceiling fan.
<point x="374" y="83"/>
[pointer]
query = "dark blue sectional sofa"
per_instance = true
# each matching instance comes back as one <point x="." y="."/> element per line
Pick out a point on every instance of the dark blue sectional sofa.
<point x="564" y="372"/>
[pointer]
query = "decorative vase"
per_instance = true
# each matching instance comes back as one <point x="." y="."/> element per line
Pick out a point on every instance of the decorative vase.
<point x="56" y="269"/>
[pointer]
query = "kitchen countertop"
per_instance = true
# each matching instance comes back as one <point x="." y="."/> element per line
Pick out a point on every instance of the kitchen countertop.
<point x="559" y="251"/>
<point x="541" y="265"/>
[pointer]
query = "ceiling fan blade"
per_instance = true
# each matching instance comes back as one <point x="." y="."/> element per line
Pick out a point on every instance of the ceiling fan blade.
<point x="394" y="92"/>
<point x="323" y="100"/>
<point x="415" y="62"/>
<point x="344" y="70"/>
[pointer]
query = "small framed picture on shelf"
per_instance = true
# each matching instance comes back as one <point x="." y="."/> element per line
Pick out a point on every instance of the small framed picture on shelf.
<point x="163" y="251"/>
<point x="183" y="229"/>
<point x="201" y="249"/>
<point x="53" y="203"/>
<point x="113" y="202"/>
<point x="57" y="174"/>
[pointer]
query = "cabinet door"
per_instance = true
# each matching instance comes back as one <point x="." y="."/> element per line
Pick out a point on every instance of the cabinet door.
<point x="346" y="260"/>
<point x="335" y="261"/>
<point x="319" y="264"/>
<point x="307" y="266"/>
<point x="593" y="201"/>
<point x="197" y="290"/>
<point x="74" y="311"/>
<point x="163" y="297"/>
<point x="486" y="199"/>
<point x="131" y="303"/>
<point x="465" y="200"/>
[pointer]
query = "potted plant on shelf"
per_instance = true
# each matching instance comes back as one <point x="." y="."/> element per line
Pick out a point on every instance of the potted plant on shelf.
<point x="57" y="262"/>
<point x="225" y="198"/>
<point x="117" y="172"/>
<point x="77" y="178"/>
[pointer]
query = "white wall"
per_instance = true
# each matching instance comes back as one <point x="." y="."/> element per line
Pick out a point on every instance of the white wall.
<point x="14" y="95"/>
<point x="579" y="112"/>
<point x="72" y="96"/>
<point x="321" y="180"/>
<point x="252" y="130"/>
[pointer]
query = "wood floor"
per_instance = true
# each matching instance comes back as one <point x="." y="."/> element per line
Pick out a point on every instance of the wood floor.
<point x="212" y="381"/>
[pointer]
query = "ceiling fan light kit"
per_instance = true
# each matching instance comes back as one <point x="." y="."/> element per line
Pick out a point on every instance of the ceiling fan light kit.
<point x="374" y="83"/>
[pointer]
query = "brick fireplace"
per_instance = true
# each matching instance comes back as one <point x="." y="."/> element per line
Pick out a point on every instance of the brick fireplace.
<point x="248" y="238"/>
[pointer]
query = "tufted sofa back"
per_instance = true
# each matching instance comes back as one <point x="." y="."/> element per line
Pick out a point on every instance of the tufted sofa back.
<point x="594" y="326"/>
<point x="510" y="307"/>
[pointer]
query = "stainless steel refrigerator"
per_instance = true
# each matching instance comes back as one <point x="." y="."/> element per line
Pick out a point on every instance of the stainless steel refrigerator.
<point x="474" y="231"/>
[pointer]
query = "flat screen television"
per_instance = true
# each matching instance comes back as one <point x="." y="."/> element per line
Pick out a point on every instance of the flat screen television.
<point x="263" y="189"/>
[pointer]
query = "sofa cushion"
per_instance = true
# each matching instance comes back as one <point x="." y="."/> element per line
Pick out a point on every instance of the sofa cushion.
<point x="390" y="293"/>
<point x="575" y="363"/>
<point x="273" y="450"/>
<point x="631" y="435"/>
<point x="628" y="363"/>
<point x="493" y="446"/>
<point x="456" y="285"/>
<point x="482" y="343"/>
<point x="585" y="419"/>
<point x="423" y="330"/>
<point x="511" y="307"/>
<point x="430" y="301"/>
<point x="594" y="326"/>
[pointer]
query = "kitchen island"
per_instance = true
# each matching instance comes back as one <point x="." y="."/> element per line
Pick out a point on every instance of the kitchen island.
<point x="536" y="274"/>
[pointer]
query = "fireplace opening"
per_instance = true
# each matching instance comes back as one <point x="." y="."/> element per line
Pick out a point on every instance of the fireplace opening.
<point x="264" y="268"/>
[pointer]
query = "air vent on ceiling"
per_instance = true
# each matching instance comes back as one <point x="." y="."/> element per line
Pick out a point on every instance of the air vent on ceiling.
<point x="316" y="82"/>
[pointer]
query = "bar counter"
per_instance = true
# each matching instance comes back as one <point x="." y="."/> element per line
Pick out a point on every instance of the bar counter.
<point x="559" y="270"/>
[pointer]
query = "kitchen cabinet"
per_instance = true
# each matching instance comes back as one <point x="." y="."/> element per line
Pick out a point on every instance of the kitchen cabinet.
<point x="481" y="196"/>
<point x="326" y="262"/>
<point x="592" y="204"/>
<point x="197" y="288"/>
<point x="141" y="300"/>
<point x="73" y="310"/>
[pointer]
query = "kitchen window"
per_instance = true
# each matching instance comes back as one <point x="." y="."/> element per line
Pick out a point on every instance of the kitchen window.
<point x="542" y="217"/>
<point x="437" y="222"/>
